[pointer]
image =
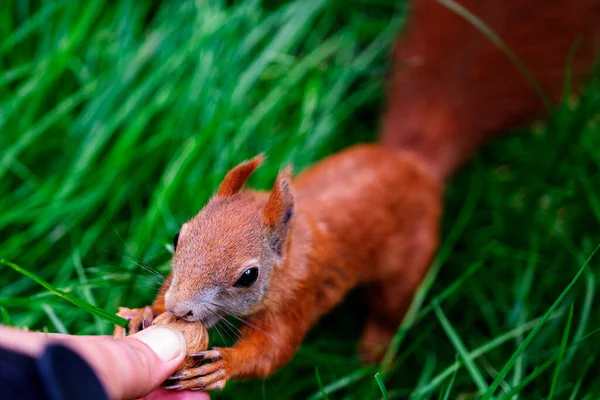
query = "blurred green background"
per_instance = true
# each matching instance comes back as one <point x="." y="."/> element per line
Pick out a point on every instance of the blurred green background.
<point x="118" y="120"/>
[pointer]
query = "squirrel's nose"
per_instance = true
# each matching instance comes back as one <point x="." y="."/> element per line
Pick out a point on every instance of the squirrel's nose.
<point x="181" y="309"/>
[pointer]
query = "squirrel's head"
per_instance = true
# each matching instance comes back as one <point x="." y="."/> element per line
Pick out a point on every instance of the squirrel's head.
<point x="224" y="256"/>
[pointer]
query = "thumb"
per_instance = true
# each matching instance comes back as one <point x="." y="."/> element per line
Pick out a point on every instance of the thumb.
<point x="132" y="367"/>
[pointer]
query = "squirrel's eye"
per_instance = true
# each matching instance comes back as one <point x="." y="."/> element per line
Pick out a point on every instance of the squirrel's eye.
<point x="248" y="278"/>
<point x="175" y="240"/>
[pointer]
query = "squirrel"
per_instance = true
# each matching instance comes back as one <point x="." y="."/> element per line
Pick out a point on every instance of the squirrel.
<point x="370" y="214"/>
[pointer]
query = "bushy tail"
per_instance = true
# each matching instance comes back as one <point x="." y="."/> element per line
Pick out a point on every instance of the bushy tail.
<point x="452" y="88"/>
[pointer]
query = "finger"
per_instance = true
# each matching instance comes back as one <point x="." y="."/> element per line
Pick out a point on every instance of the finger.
<point x="163" y="394"/>
<point x="133" y="366"/>
<point x="33" y="343"/>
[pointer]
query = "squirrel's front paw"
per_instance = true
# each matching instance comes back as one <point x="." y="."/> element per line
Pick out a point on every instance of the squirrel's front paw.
<point x="139" y="318"/>
<point x="209" y="376"/>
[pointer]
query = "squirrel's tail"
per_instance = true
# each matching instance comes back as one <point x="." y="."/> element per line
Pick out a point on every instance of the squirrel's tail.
<point x="452" y="88"/>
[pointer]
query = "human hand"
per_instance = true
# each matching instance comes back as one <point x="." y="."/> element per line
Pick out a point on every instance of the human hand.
<point x="129" y="368"/>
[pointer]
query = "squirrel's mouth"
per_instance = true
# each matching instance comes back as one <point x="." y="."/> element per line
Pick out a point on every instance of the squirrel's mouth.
<point x="207" y="318"/>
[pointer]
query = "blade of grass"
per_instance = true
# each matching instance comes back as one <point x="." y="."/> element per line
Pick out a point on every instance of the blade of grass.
<point x="588" y="302"/>
<point x="547" y="364"/>
<point x="294" y="76"/>
<point x="381" y="385"/>
<point x="458" y="344"/>
<point x="590" y="290"/>
<point x="450" y="384"/>
<point x="478" y="352"/>
<point x="448" y="291"/>
<point x="113" y="318"/>
<point x="413" y="349"/>
<point x="6" y="317"/>
<point x="343" y="382"/>
<point x="427" y="372"/>
<point x="30" y="26"/>
<point x="83" y="283"/>
<point x="8" y="76"/>
<point x="529" y="378"/>
<point x="320" y="384"/>
<point x="49" y="119"/>
<point x="582" y="375"/>
<point x="563" y="346"/>
<point x="509" y="364"/>
<point x="298" y="21"/>
<point x="523" y="294"/>
<point x="591" y="193"/>
<point x="58" y="324"/>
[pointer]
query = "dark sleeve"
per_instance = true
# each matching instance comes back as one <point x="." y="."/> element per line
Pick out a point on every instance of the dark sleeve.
<point x="58" y="374"/>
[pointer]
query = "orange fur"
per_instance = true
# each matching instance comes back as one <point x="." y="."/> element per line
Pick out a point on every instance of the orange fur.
<point x="367" y="215"/>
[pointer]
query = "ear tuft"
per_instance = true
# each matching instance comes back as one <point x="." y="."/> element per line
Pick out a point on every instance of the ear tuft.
<point x="279" y="210"/>
<point x="236" y="177"/>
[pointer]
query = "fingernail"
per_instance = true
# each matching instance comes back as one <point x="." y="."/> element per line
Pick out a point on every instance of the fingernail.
<point x="167" y="343"/>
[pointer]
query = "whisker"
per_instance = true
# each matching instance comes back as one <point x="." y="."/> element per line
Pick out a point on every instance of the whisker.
<point x="219" y="332"/>
<point x="150" y="269"/>
<point x="133" y="282"/>
<point x="249" y="324"/>
<point x="245" y="322"/>
<point x="147" y="265"/>
<point x="225" y="330"/>
<point x="141" y="261"/>
<point x="233" y="331"/>
<point x="150" y="278"/>
<point x="153" y="271"/>
<point x="148" y="287"/>
<point x="232" y="328"/>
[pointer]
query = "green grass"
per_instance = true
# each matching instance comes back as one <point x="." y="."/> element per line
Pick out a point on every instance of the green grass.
<point x="118" y="120"/>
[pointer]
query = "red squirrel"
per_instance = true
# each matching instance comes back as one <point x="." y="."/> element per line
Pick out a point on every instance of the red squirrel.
<point x="368" y="215"/>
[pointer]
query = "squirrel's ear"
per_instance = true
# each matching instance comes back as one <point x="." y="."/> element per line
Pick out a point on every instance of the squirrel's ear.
<point x="237" y="176"/>
<point x="279" y="210"/>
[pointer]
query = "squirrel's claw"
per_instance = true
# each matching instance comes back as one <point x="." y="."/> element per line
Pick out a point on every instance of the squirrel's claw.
<point x="139" y="319"/>
<point x="209" y="376"/>
<point x="174" y="387"/>
<point x="147" y="317"/>
<point x="195" y="372"/>
<point x="218" y="385"/>
<point x="213" y="355"/>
